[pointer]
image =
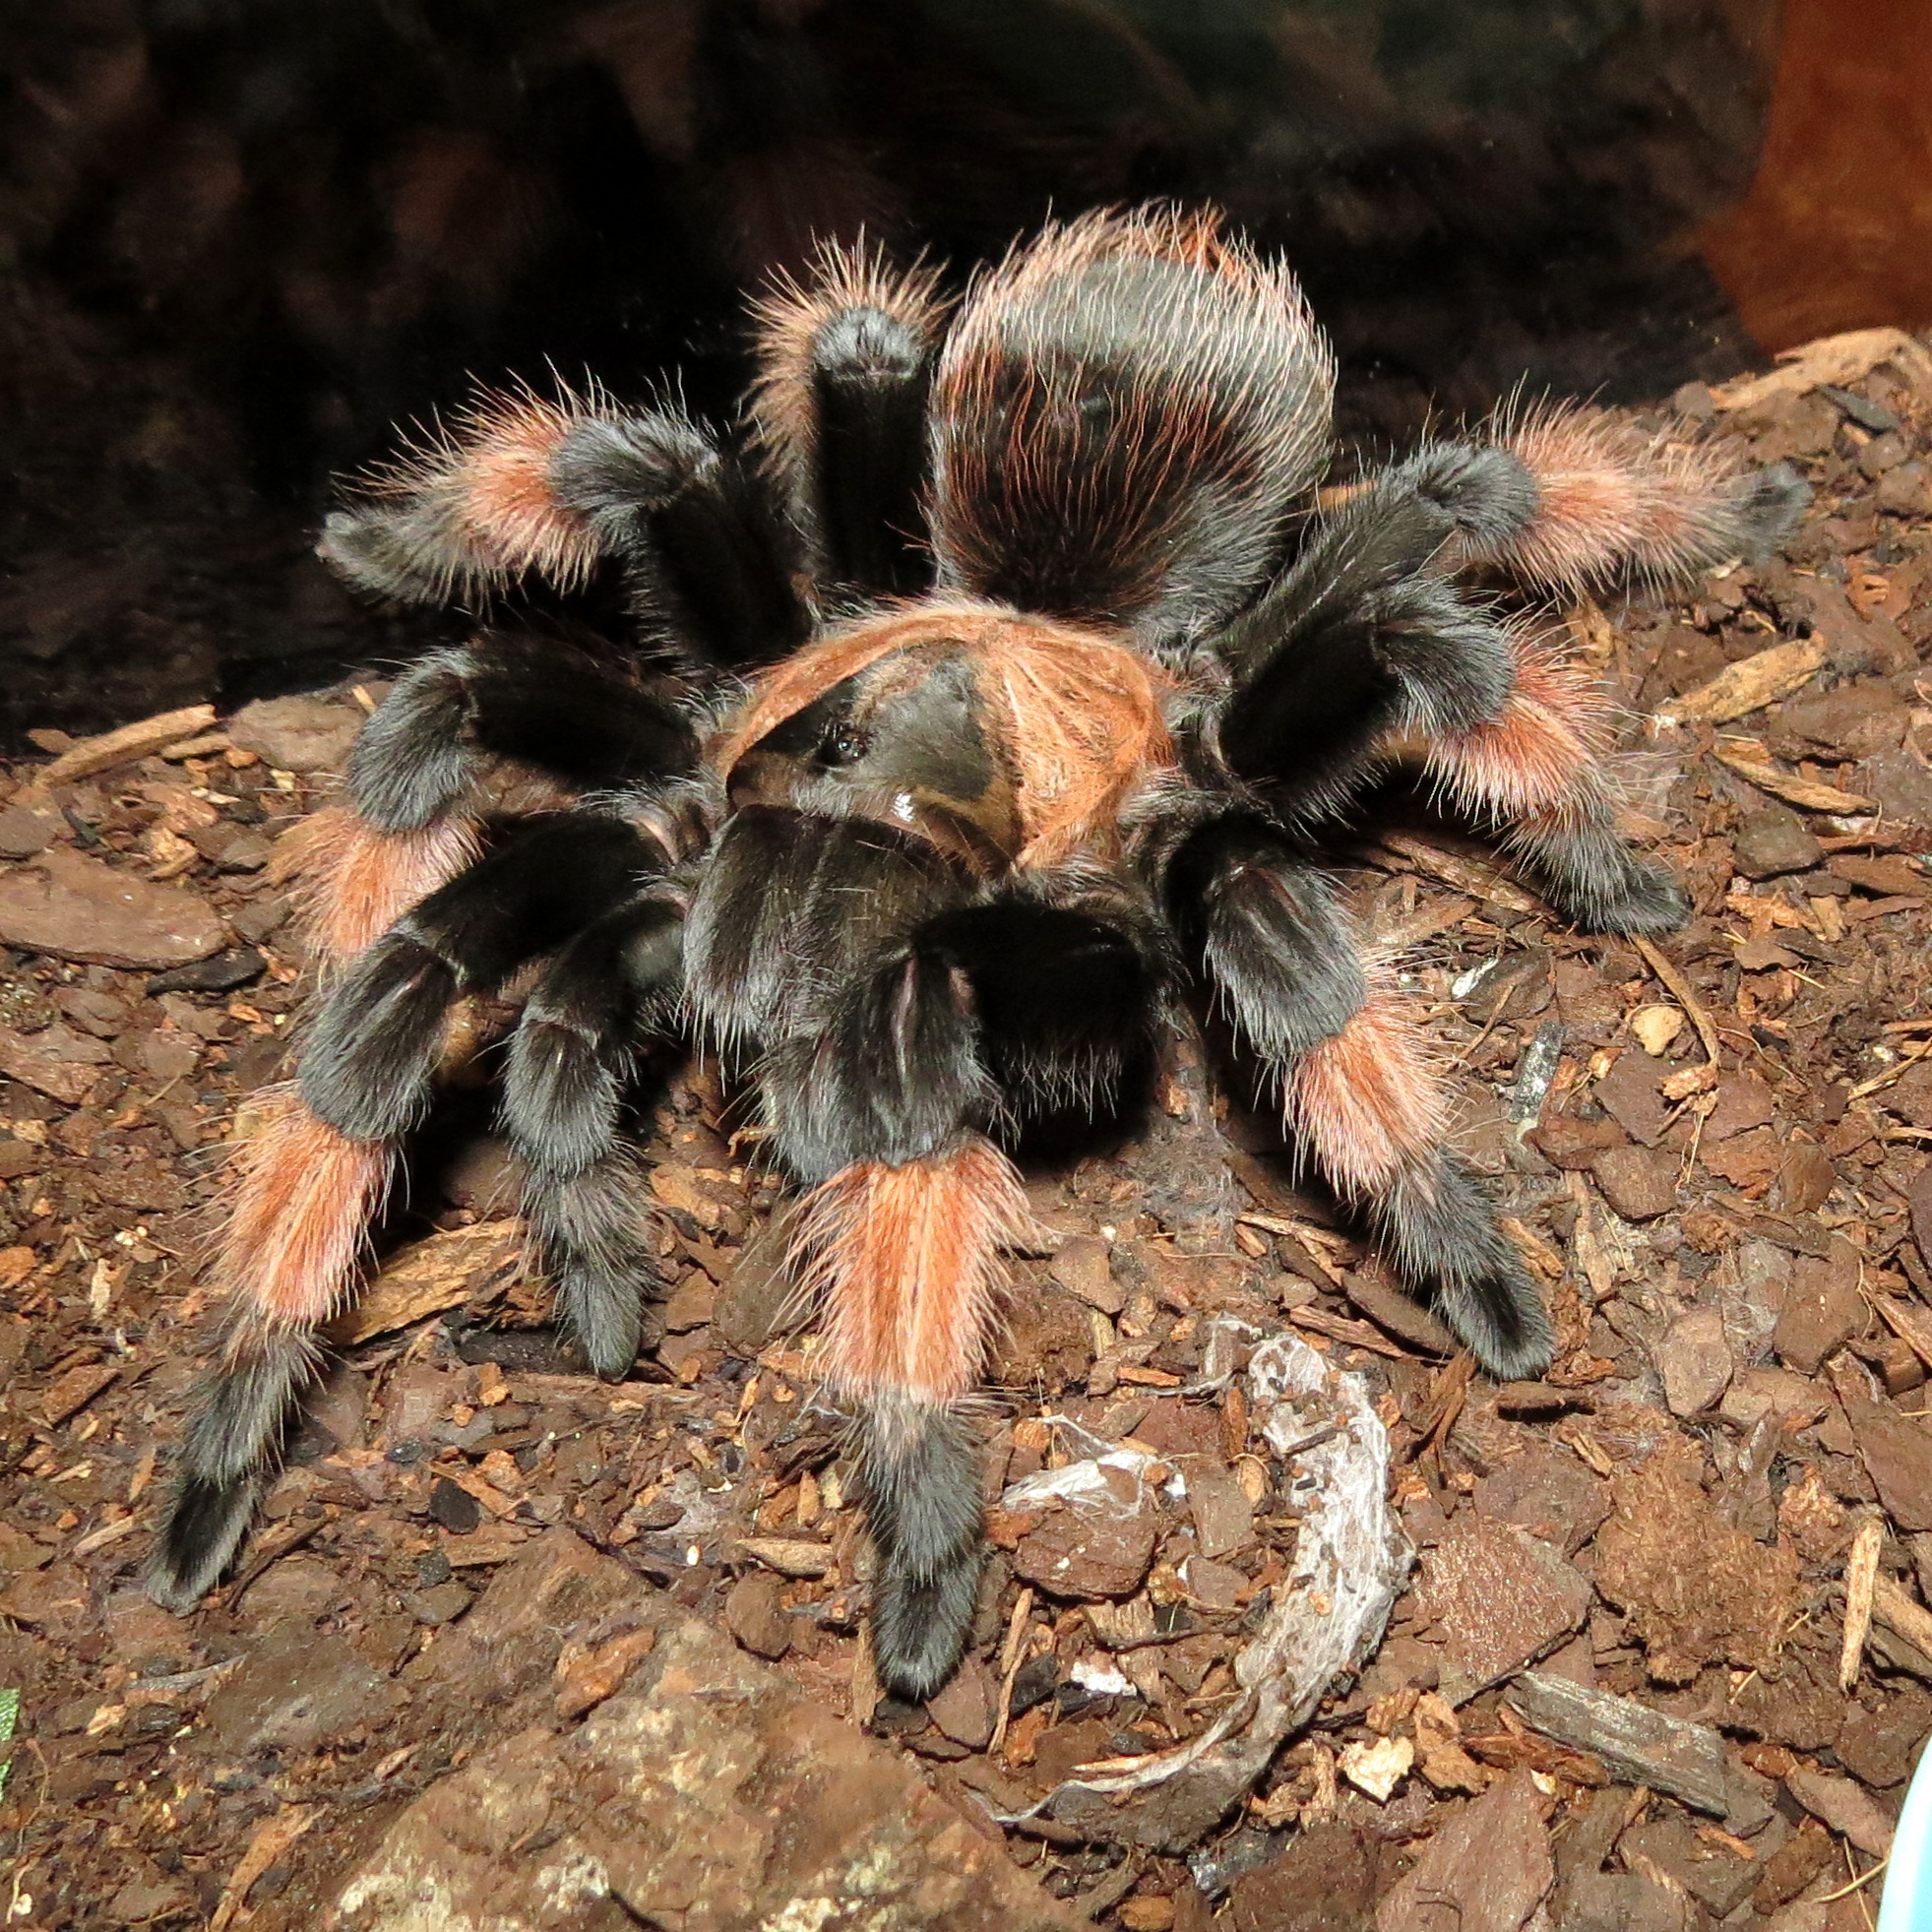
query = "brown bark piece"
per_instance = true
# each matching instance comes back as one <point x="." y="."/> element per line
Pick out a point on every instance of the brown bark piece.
<point x="1498" y="1600"/>
<point x="1487" y="1870"/>
<point x="79" y="909"/>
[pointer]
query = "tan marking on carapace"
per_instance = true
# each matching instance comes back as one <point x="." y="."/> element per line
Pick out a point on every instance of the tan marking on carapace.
<point x="1076" y="715"/>
<point x="354" y="881"/>
<point x="301" y="1199"/>
<point x="907" y="1260"/>
<point x="789" y="320"/>
<point x="1543" y="754"/>
<point x="1613" y="495"/>
<point x="487" y="475"/>
<point x="1368" y="1102"/>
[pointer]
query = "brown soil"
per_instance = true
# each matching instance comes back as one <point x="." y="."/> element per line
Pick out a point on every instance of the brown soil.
<point x="1738" y="1253"/>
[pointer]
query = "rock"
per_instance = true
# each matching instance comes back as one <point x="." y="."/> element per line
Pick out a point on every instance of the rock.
<point x="1641" y="1746"/>
<point x="1773" y="841"/>
<point x="1694" y="1587"/>
<point x="1694" y="1358"/>
<point x="1880" y="1747"/>
<point x="56" y="1061"/>
<point x="297" y="734"/>
<point x="78" y="908"/>
<point x="964" y="1709"/>
<point x="1822" y="1309"/>
<point x="298" y="1690"/>
<point x="24" y="832"/>
<point x="1548" y="1492"/>
<point x="1639" y="1183"/>
<point x="755" y="1614"/>
<point x="708" y="1788"/>
<point x="1085" y="1269"/>
<point x="1896" y="1451"/>
<point x="221" y="974"/>
<point x="1847" y="1809"/>
<point x="1487" y="1870"/>
<point x="1498" y="1600"/>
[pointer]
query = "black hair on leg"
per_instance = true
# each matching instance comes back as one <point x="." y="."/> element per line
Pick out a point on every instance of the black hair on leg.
<point x="378" y="1035"/>
<point x="237" y="1417"/>
<point x="1586" y="868"/>
<point x="533" y="699"/>
<point x="584" y="1188"/>
<point x="694" y="527"/>
<point x="1439" y="1231"/>
<point x="920" y="1465"/>
<point x="871" y="374"/>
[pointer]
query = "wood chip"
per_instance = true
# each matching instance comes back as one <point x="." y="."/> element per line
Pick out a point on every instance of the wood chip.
<point x="1895" y="1608"/>
<point x="1466" y="875"/>
<point x="1839" y="361"/>
<point x="789" y="1556"/>
<point x="268" y="1844"/>
<point x="1672" y="978"/>
<point x="72" y="1392"/>
<point x="1860" y="1573"/>
<point x="440" y="1272"/>
<point x="121" y="746"/>
<point x="1339" y="1327"/>
<point x="1748" y="685"/>
<point x="1807" y="793"/>
<point x="1640" y="1745"/>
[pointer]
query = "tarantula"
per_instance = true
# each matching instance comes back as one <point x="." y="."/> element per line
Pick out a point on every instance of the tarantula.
<point x="992" y="704"/>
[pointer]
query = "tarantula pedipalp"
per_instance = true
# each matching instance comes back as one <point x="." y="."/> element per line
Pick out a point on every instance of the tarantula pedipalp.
<point x="931" y="851"/>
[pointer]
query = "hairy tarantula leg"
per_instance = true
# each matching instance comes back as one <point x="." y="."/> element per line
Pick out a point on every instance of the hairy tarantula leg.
<point x="525" y="485"/>
<point x="845" y="365"/>
<point x="378" y="1037"/>
<point x="1355" y="1083"/>
<point x="584" y="1188"/>
<point x="301" y="1199"/>
<point x="1539" y="768"/>
<point x="532" y="700"/>
<point x="1360" y="639"/>
<point x="908" y="1258"/>
<point x="1613" y="497"/>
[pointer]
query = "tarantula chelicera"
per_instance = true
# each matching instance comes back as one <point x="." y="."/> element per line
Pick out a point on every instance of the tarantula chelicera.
<point x="991" y="705"/>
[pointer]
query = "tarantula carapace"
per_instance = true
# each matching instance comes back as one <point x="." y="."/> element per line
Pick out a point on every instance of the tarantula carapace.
<point x="989" y="708"/>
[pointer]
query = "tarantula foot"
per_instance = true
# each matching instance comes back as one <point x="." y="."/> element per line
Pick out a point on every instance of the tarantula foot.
<point x="1502" y="1321"/>
<point x="204" y="1530"/>
<point x="921" y="1469"/>
<point x="1646" y="899"/>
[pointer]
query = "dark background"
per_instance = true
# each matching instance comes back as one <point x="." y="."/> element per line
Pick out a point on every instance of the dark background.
<point x="242" y="240"/>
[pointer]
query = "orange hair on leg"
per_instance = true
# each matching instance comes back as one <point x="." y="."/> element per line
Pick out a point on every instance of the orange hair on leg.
<point x="1615" y="496"/>
<point x="1543" y="753"/>
<point x="908" y="1258"/>
<point x="1367" y="1101"/>
<point x="303" y="1197"/>
<point x="355" y="879"/>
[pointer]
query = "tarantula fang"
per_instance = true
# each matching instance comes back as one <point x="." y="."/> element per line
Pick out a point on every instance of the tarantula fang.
<point x="983" y="708"/>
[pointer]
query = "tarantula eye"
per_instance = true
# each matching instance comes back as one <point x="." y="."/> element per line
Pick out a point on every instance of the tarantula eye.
<point x="844" y="743"/>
